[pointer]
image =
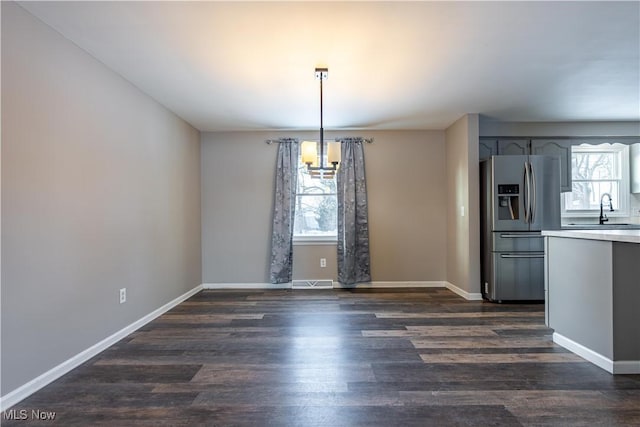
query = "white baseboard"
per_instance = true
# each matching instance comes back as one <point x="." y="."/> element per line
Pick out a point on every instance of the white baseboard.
<point x="240" y="286"/>
<point x="464" y="294"/>
<point x="584" y="352"/>
<point x="613" y="367"/>
<point x="422" y="284"/>
<point x="369" y="285"/>
<point x="26" y="390"/>
<point x="336" y="285"/>
<point x="377" y="285"/>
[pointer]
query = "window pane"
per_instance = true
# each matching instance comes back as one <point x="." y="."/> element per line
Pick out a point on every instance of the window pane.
<point x="595" y="165"/>
<point x="595" y="170"/>
<point x="308" y="185"/>
<point x="316" y="215"/>
<point x="586" y="195"/>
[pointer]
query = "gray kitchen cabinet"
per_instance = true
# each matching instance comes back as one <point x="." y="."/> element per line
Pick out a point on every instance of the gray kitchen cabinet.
<point x="513" y="147"/>
<point x="560" y="148"/>
<point x="488" y="148"/>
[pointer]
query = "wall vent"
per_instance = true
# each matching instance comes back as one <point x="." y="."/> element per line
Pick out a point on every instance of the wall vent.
<point x="312" y="284"/>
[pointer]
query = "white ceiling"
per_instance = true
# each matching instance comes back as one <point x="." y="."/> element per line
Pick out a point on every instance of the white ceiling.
<point x="392" y="65"/>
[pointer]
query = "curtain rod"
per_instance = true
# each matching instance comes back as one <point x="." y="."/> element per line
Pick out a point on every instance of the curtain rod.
<point x="367" y="140"/>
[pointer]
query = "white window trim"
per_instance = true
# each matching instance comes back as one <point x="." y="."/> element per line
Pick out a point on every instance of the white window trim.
<point x="304" y="240"/>
<point x="622" y="206"/>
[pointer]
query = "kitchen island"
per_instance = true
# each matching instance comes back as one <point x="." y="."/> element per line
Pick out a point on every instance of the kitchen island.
<point x="592" y="295"/>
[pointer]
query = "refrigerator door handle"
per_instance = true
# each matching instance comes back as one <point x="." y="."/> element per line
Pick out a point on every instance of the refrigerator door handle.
<point x="522" y="256"/>
<point x="534" y="203"/>
<point x="526" y="192"/>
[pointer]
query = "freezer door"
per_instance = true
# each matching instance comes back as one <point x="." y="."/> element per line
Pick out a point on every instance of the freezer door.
<point x="518" y="276"/>
<point x="517" y="241"/>
<point x="508" y="190"/>
<point x="545" y="194"/>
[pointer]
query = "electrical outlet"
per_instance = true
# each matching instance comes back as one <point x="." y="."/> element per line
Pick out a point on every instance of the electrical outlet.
<point x="123" y="295"/>
<point x="461" y="210"/>
<point x="323" y="262"/>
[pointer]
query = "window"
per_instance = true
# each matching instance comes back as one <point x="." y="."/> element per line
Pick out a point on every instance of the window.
<point x="316" y="208"/>
<point x="595" y="170"/>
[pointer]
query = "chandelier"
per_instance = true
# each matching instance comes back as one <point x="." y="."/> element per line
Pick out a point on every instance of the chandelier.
<point x="314" y="158"/>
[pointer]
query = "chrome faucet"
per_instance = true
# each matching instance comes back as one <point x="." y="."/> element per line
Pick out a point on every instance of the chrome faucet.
<point x="603" y="217"/>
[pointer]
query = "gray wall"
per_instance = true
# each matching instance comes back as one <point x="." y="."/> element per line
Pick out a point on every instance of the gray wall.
<point x="100" y="191"/>
<point x="237" y="196"/>
<point x="306" y="262"/>
<point x="407" y="207"/>
<point x="463" y="232"/>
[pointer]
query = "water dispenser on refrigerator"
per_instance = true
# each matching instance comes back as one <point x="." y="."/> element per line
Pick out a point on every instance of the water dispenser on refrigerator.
<point x="508" y="201"/>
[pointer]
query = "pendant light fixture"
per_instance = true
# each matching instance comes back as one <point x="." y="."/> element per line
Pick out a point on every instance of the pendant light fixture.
<point x="314" y="158"/>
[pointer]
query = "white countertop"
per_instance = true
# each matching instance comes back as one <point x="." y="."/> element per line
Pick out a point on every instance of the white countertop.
<point x="629" y="236"/>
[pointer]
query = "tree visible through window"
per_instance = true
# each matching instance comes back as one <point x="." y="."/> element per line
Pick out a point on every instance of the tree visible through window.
<point x="316" y="206"/>
<point x="597" y="170"/>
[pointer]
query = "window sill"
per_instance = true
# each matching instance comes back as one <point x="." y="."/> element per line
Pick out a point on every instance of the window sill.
<point x="314" y="240"/>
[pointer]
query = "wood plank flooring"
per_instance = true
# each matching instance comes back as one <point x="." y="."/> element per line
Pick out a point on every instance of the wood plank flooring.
<point x="392" y="357"/>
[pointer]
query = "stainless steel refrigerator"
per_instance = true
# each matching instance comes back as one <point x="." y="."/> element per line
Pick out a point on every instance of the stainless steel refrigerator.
<point x="519" y="196"/>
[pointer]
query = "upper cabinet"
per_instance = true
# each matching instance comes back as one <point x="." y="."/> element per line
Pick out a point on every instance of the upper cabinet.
<point x="562" y="150"/>
<point x="513" y="147"/>
<point x="488" y="148"/>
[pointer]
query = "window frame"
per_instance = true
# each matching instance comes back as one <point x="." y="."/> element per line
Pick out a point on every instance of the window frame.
<point x="310" y="239"/>
<point x="621" y="205"/>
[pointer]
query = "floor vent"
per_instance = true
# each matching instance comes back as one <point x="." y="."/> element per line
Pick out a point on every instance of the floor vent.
<point x="312" y="284"/>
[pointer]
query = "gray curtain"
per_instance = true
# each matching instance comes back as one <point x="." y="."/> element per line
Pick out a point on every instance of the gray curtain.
<point x="354" y="263"/>
<point x="284" y="211"/>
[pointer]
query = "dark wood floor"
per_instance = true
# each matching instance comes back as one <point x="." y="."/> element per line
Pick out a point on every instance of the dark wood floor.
<point x="410" y="357"/>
